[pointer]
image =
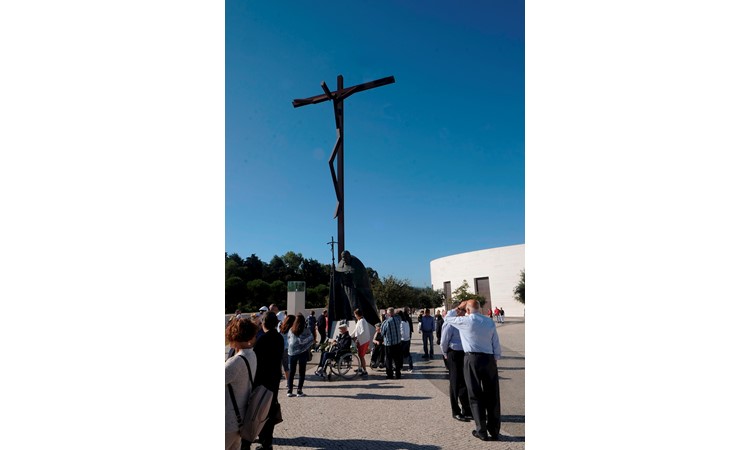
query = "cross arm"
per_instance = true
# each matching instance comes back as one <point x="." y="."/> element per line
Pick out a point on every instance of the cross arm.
<point x="342" y="93"/>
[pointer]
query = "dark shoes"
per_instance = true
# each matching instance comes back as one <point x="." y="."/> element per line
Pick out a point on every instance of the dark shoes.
<point x="461" y="417"/>
<point x="482" y="436"/>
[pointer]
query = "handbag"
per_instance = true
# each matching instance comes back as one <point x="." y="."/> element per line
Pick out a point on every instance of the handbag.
<point x="258" y="408"/>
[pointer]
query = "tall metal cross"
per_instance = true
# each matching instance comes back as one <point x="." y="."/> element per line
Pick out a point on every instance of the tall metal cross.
<point x="338" y="97"/>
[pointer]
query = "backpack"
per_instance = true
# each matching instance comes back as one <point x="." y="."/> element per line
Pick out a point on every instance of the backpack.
<point x="258" y="407"/>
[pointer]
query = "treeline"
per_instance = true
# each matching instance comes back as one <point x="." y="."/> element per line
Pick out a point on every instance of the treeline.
<point x="252" y="283"/>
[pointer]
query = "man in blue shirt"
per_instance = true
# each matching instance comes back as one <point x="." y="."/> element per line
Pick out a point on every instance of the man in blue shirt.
<point x="427" y="327"/>
<point x="391" y="330"/>
<point x="481" y="345"/>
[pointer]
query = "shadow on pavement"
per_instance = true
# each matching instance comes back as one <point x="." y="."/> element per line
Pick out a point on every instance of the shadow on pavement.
<point x="378" y="386"/>
<point x="360" y="444"/>
<point x="374" y="397"/>
<point x="513" y="419"/>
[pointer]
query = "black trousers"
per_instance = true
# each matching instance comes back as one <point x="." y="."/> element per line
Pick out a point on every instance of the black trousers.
<point x="458" y="392"/>
<point x="266" y="433"/>
<point x="393" y="358"/>
<point x="377" y="357"/>
<point x="483" y="385"/>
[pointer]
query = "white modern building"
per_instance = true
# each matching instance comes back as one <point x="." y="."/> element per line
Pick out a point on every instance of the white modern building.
<point x="493" y="273"/>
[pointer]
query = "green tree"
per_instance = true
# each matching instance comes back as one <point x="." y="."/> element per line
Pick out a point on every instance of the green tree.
<point x="462" y="293"/>
<point x="315" y="273"/>
<point x="278" y="293"/>
<point x="293" y="262"/>
<point x="234" y="294"/>
<point x="275" y="270"/>
<point x="254" y="267"/>
<point x="316" y="297"/>
<point x="259" y="294"/>
<point x="520" y="289"/>
<point x="391" y="291"/>
<point x="426" y="297"/>
<point x="233" y="267"/>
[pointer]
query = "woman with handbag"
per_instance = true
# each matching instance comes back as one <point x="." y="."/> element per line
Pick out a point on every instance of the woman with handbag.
<point x="300" y="341"/>
<point x="241" y="335"/>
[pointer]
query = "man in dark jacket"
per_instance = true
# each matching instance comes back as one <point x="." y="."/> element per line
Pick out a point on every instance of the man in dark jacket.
<point x="269" y="349"/>
<point x="312" y="324"/>
<point x="322" y="327"/>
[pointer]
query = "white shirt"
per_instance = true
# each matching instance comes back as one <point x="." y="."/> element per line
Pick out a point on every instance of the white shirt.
<point x="235" y="373"/>
<point x="362" y="331"/>
<point x="405" y="333"/>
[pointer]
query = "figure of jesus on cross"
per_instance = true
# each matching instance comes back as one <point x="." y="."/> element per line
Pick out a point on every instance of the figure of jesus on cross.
<point x="337" y="175"/>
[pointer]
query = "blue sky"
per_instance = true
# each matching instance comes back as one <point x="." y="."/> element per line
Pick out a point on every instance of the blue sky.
<point x="434" y="163"/>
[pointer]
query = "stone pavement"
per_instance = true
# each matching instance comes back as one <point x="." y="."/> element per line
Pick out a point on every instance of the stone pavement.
<point x="412" y="413"/>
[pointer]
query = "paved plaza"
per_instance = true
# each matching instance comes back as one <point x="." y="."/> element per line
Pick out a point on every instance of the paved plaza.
<point x="412" y="413"/>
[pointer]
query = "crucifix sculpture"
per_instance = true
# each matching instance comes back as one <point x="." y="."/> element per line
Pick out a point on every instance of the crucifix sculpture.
<point x="338" y="97"/>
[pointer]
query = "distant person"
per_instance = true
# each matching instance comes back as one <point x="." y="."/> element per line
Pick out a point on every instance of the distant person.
<point x="283" y="331"/>
<point x="312" y="325"/>
<point x="362" y="337"/>
<point x="502" y="315"/>
<point x="482" y="346"/>
<point x="300" y="340"/>
<point x="407" y="311"/>
<point x="237" y="315"/>
<point x="342" y="344"/>
<point x="427" y="327"/>
<point x="406" y="342"/>
<point x="281" y="315"/>
<point x="438" y="326"/>
<point x="377" y="358"/>
<point x="391" y="330"/>
<point x="322" y="327"/>
<point x="240" y="334"/>
<point x="453" y="355"/>
<point x="496" y="312"/>
<point x="269" y="348"/>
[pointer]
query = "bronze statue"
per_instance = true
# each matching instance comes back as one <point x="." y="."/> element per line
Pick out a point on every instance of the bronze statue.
<point x="352" y="290"/>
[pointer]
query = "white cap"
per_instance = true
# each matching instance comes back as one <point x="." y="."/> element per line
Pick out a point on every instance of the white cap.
<point x="264" y="308"/>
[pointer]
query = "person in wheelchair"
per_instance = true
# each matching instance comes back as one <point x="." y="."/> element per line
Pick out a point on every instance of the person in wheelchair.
<point x="339" y="346"/>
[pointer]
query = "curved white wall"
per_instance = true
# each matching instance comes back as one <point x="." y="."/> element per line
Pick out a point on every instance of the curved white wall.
<point x="502" y="265"/>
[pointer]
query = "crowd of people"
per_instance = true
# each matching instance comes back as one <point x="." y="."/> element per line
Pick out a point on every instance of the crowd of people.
<point x="274" y="347"/>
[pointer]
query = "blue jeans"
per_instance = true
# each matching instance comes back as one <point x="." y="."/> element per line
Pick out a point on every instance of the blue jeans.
<point x="427" y="336"/>
<point x="293" y="360"/>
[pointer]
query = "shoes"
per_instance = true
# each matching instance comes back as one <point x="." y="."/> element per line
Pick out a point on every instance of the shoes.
<point x="478" y="435"/>
<point x="319" y="373"/>
<point x="301" y="394"/>
<point x="398" y="376"/>
<point x="363" y="373"/>
<point x="425" y="357"/>
<point x="461" y="417"/>
<point x="289" y="394"/>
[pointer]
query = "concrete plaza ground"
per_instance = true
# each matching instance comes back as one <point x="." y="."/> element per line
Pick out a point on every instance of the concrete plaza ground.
<point x="412" y="413"/>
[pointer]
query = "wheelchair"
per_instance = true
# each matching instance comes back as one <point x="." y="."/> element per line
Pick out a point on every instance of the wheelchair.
<point x="347" y="365"/>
